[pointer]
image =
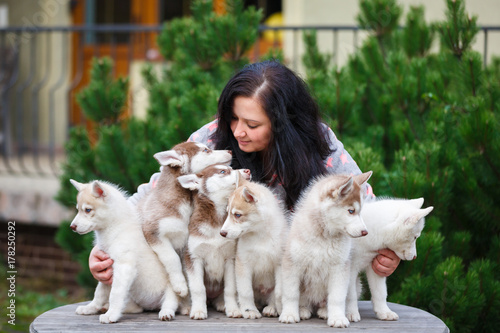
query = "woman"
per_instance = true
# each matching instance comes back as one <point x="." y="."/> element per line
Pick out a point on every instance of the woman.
<point x="270" y="121"/>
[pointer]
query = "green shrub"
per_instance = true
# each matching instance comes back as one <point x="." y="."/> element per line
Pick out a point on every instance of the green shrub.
<point x="428" y="124"/>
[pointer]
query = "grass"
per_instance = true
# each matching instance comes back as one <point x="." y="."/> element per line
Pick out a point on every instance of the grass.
<point x="30" y="302"/>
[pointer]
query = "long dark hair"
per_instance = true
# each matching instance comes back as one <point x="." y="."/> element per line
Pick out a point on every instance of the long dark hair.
<point x="299" y="142"/>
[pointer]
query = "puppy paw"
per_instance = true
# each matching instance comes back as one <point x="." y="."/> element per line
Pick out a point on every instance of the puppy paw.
<point x="353" y="316"/>
<point x="304" y="313"/>
<point x="289" y="318"/>
<point x="387" y="315"/>
<point x="109" y="318"/>
<point x="339" y="322"/>
<point x="198" y="314"/>
<point x="251" y="314"/>
<point x="166" y="314"/>
<point x="233" y="313"/>
<point x="219" y="304"/>
<point x="270" y="311"/>
<point x="323" y="313"/>
<point x="87" y="310"/>
<point x="181" y="289"/>
<point x="133" y="308"/>
<point x="184" y="310"/>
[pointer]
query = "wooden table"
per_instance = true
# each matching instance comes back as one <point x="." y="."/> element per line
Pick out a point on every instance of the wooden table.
<point x="64" y="319"/>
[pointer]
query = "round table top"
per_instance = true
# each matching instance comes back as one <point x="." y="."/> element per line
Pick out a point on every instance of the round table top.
<point x="64" y="319"/>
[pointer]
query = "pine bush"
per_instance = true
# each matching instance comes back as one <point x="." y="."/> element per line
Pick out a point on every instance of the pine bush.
<point x="427" y="123"/>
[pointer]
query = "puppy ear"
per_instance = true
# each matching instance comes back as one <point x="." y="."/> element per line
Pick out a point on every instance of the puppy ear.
<point x="240" y="181"/>
<point x="424" y="212"/>
<point x="421" y="213"/>
<point x="76" y="184"/>
<point x="169" y="157"/>
<point x="346" y="187"/>
<point x="97" y="190"/>
<point x="248" y="195"/>
<point x="363" y="178"/>
<point x="191" y="182"/>
<point x="417" y="203"/>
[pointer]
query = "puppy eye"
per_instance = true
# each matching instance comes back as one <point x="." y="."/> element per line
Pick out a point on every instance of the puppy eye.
<point x="351" y="211"/>
<point x="222" y="172"/>
<point x="237" y="215"/>
<point x="206" y="150"/>
<point x="88" y="210"/>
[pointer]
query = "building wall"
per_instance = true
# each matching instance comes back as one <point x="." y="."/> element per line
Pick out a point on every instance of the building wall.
<point x="341" y="12"/>
<point x="40" y="262"/>
<point x="50" y="54"/>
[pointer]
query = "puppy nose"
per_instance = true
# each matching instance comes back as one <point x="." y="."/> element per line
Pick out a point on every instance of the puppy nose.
<point x="223" y="233"/>
<point x="364" y="233"/>
<point x="247" y="171"/>
<point x="230" y="152"/>
<point x="73" y="227"/>
<point x="414" y="257"/>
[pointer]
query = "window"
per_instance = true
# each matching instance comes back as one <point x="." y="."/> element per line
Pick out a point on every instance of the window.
<point x="107" y="12"/>
<point x="170" y="9"/>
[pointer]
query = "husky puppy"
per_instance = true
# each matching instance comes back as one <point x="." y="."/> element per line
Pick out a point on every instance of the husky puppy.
<point x="209" y="258"/>
<point x="257" y="220"/>
<point x="316" y="261"/>
<point x="166" y="209"/>
<point x="139" y="280"/>
<point x="394" y="224"/>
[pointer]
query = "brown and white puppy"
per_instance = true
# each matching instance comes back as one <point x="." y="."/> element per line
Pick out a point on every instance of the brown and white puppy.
<point x="209" y="257"/>
<point x="316" y="260"/>
<point x="166" y="209"/>
<point x="257" y="220"/>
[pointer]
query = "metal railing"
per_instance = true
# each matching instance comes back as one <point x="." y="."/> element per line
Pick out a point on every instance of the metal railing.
<point x="39" y="75"/>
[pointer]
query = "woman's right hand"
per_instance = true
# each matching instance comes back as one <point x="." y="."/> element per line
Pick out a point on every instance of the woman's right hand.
<point x="100" y="265"/>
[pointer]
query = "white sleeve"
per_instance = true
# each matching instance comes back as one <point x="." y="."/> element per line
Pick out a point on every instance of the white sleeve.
<point x="144" y="188"/>
<point x="341" y="162"/>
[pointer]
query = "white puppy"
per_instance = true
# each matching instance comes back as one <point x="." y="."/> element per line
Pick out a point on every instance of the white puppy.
<point x="257" y="220"/>
<point x="316" y="263"/>
<point x="139" y="280"/>
<point x="394" y="224"/>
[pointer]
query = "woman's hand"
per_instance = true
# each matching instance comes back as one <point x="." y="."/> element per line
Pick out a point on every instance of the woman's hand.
<point x="100" y="265"/>
<point x="385" y="263"/>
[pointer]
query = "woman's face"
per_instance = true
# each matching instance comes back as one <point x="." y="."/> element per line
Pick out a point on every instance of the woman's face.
<point x="250" y="125"/>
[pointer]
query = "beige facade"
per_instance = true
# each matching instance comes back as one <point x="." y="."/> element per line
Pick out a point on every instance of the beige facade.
<point x="49" y="59"/>
<point x="344" y="12"/>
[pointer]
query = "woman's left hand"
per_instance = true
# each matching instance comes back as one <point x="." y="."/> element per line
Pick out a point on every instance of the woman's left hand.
<point x="385" y="263"/>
